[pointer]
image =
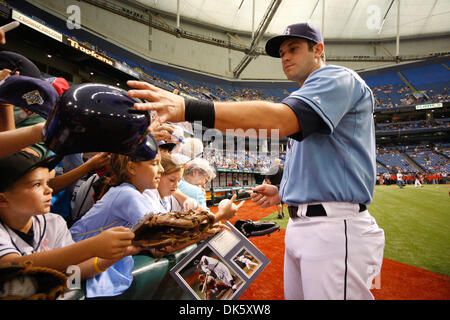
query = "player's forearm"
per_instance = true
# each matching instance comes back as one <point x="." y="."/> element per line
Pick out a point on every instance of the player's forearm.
<point x="248" y="115"/>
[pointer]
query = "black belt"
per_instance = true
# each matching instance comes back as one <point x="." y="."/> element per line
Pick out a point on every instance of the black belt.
<point x="316" y="210"/>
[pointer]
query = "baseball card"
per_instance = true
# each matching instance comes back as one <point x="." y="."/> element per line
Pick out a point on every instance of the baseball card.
<point x="220" y="268"/>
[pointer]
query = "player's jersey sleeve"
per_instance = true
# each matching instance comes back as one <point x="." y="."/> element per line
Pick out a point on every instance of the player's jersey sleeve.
<point x="329" y="91"/>
<point x="308" y="119"/>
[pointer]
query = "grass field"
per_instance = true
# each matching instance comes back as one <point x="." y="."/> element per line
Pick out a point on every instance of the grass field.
<point x="416" y="223"/>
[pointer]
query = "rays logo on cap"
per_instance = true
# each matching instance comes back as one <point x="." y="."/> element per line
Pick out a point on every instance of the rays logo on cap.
<point x="287" y="31"/>
<point x="33" y="97"/>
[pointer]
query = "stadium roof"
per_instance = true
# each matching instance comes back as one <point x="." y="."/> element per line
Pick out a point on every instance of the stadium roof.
<point x="338" y="19"/>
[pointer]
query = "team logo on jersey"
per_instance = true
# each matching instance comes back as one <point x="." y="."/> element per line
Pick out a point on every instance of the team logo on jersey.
<point x="33" y="97"/>
<point x="317" y="99"/>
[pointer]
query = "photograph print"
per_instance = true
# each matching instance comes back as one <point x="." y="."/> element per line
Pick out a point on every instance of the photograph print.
<point x="208" y="277"/>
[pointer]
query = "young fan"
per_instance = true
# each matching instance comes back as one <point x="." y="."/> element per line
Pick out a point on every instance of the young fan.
<point x="28" y="231"/>
<point x="167" y="198"/>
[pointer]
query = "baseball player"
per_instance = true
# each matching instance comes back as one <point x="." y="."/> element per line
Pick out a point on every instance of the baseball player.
<point x="249" y="264"/>
<point x="211" y="266"/>
<point x="212" y="289"/>
<point x="333" y="246"/>
<point x="400" y="181"/>
<point x="417" y="180"/>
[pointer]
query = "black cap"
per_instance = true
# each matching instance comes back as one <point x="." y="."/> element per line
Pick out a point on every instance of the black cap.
<point x="167" y="145"/>
<point x="33" y="94"/>
<point x="298" y="30"/>
<point x="15" y="166"/>
<point x="17" y="62"/>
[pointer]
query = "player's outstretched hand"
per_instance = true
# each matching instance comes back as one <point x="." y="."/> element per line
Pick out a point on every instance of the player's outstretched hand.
<point x="265" y="195"/>
<point x="168" y="106"/>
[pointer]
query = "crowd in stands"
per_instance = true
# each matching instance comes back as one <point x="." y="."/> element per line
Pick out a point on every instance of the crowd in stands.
<point x="414" y="125"/>
<point x="387" y="96"/>
<point x="394" y="96"/>
<point x="248" y="161"/>
<point x="431" y="163"/>
<point x="387" y="178"/>
<point x="394" y="160"/>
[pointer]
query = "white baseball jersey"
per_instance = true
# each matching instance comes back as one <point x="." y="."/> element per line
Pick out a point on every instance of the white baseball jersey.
<point x="162" y="205"/>
<point x="247" y="261"/>
<point x="210" y="265"/>
<point x="50" y="232"/>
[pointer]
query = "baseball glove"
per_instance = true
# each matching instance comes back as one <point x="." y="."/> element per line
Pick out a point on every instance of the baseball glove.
<point x="25" y="282"/>
<point x="251" y="228"/>
<point x="158" y="231"/>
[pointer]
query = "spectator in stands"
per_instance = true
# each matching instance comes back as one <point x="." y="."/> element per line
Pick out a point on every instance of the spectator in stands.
<point x="197" y="174"/>
<point x="163" y="196"/>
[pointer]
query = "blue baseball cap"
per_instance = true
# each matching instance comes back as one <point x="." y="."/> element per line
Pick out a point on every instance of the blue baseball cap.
<point x="298" y="30"/>
<point x="17" y="62"/>
<point x="33" y="94"/>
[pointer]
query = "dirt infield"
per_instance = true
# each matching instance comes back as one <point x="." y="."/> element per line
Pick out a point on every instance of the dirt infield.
<point x="397" y="281"/>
